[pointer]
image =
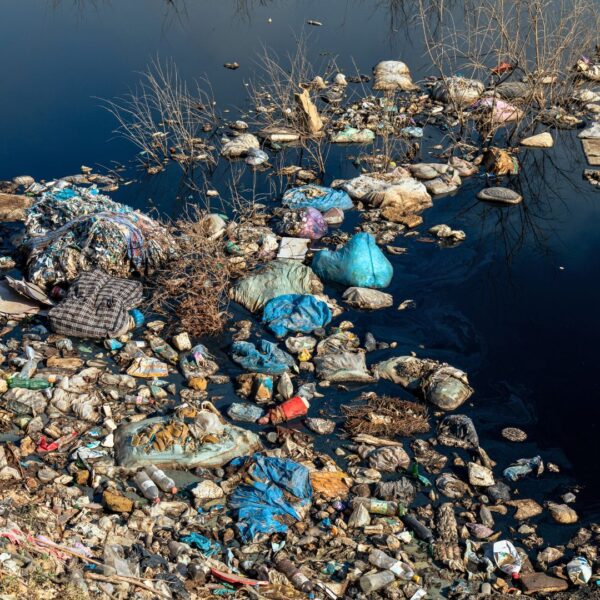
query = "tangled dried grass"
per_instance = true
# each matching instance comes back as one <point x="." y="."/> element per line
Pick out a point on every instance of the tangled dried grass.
<point x="386" y="416"/>
<point x="194" y="287"/>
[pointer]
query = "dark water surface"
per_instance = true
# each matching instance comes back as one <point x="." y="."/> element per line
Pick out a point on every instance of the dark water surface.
<point x="515" y="305"/>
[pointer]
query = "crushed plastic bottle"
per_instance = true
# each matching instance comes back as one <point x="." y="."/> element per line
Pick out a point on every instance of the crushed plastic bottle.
<point x="397" y="567"/>
<point x="579" y="570"/>
<point x="375" y="581"/>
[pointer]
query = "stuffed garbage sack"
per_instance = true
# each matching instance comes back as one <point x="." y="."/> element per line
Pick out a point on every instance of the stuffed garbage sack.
<point x="359" y="263"/>
<point x="275" y="279"/>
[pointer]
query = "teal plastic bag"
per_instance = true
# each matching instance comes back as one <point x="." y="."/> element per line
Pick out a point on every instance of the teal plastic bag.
<point x="359" y="263"/>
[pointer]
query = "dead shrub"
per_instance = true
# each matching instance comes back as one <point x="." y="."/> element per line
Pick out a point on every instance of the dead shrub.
<point x="386" y="416"/>
<point x="194" y="286"/>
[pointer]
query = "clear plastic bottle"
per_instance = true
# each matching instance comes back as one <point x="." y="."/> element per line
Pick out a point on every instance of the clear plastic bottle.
<point x="30" y="367"/>
<point x="397" y="567"/>
<point x="375" y="581"/>
<point x="146" y="486"/>
<point x="161" y="479"/>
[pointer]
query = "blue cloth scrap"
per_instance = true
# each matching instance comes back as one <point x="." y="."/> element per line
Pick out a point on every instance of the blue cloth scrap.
<point x="266" y="358"/>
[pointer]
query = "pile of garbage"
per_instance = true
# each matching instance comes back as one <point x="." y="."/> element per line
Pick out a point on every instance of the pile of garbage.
<point x="139" y="461"/>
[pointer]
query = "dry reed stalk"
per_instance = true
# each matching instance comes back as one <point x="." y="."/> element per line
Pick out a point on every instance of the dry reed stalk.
<point x="387" y="416"/>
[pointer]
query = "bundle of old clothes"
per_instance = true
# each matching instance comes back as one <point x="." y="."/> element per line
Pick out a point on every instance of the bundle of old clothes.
<point x="72" y="229"/>
<point x="97" y="306"/>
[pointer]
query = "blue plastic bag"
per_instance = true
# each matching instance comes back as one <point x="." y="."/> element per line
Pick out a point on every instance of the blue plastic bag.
<point x="261" y="505"/>
<point x="267" y="358"/>
<point x="295" y="312"/>
<point x="317" y="196"/>
<point x="359" y="263"/>
<point x="206" y="546"/>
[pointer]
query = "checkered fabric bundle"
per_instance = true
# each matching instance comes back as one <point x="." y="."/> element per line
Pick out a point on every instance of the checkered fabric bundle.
<point x="96" y="306"/>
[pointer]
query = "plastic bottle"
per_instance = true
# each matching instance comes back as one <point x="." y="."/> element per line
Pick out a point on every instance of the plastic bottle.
<point x="146" y="486"/>
<point x="298" y="579"/>
<point x="28" y="384"/>
<point x="161" y="479"/>
<point x="579" y="570"/>
<point x="507" y="558"/>
<point x="420" y="530"/>
<point x="290" y="409"/>
<point x="30" y="367"/>
<point x="161" y="348"/>
<point x="397" y="567"/>
<point x="375" y="581"/>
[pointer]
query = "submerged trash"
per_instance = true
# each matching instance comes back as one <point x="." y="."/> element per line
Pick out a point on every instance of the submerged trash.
<point x="266" y="357"/>
<point x="192" y="438"/>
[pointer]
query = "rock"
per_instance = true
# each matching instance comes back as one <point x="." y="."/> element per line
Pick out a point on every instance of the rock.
<point x="541" y="140"/>
<point x="499" y="491"/>
<point x="367" y="298"/>
<point x="182" y="342"/>
<point x="389" y="459"/>
<point x="540" y="582"/>
<point x="360" y="517"/>
<point x="312" y="119"/>
<point x="562" y="513"/>
<point x="73" y="364"/>
<point x="116" y="502"/>
<point x="396" y="215"/>
<point x="320" y="426"/>
<point x="514" y="434"/>
<point x="526" y="508"/>
<point x="549" y="555"/>
<point x="479" y="475"/>
<point x="207" y="490"/>
<point x="3" y="386"/>
<point x="499" y="194"/>
<point x="12" y="206"/>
